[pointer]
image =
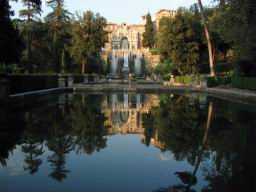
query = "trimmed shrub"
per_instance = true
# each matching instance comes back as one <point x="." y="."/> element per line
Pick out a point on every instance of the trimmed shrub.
<point x="183" y="79"/>
<point x="167" y="77"/>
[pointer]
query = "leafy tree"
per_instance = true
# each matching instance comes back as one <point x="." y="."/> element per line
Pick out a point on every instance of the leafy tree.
<point x="88" y="38"/>
<point x="178" y="40"/>
<point x="237" y="25"/>
<point x="148" y="35"/>
<point x="10" y="41"/>
<point x="33" y="8"/>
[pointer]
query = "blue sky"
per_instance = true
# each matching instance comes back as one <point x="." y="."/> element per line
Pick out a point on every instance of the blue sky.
<point x="119" y="11"/>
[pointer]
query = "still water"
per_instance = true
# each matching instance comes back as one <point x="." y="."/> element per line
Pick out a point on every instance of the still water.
<point x="128" y="142"/>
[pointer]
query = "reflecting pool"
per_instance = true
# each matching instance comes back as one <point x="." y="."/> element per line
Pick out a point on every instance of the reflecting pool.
<point x="128" y="142"/>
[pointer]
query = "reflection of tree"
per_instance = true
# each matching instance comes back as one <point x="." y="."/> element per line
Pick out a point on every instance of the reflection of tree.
<point x="148" y="124"/>
<point x="225" y="153"/>
<point x="60" y="145"/>
<point x="88" y="125"/>
<point x="60" y="142"/>
<point x="180" y="130"/>
<point x="33" y="150"/>
<point x="234" y="153"/>
<point x="8" y="140"/>
<point x="32" y="145"/>
<point x="189" y="179"/>
<point x="182" y="120"/>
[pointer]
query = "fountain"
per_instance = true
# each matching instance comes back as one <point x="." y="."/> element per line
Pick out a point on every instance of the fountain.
<point x="138" y="63"/>
<point x="125" y="69"/>
<point x="114" y="61"/>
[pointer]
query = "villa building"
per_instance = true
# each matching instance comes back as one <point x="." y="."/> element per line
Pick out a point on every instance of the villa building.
<point x="124" y="46"/>
<point x="124" y="36"/>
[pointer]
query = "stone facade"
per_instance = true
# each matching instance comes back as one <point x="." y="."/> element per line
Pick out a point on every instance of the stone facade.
<point x="126" y="36"/>
<point x="127" y="39"/>
<point x="164" y="13"/>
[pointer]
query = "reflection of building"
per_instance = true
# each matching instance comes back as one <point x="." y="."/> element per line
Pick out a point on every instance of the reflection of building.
<point x="124" y="112"/>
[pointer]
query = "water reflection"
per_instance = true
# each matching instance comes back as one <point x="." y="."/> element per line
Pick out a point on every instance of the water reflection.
<point x="214" y="139"/>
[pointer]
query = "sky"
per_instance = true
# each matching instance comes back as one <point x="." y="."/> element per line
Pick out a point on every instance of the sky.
<point x="118" y="11"/>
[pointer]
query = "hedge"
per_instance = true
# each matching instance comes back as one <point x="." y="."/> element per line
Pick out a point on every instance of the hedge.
<point x="27" y="83"/>
<point x="244" y="82"/>
<point x="220" y="80"/>
<point x="78" y="78"/>
<point x="211" y="81"/>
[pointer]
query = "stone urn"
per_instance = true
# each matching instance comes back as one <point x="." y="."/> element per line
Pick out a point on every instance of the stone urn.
<point x="172" y="80"/>
<point x="61" y="81"/>
<point x="70" y="80"/>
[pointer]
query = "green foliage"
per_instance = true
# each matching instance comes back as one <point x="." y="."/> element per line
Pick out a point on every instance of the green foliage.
<point x="237" y="25"/>
<point x="11" y="69"/>
<point x="59" y="31"/>
<point x="88" y="37"/>
<point x="154" y="51"/>
<point x="167" y="77"/>
<point x="178" y="40"/>
<point x="163" y="68"/>
<point x="187" y="80"/>
<point x="33" y="8"/>
<point x="148" y="35"/>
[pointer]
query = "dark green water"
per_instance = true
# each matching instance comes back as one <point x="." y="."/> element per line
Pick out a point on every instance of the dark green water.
<point x="128" y="142"/>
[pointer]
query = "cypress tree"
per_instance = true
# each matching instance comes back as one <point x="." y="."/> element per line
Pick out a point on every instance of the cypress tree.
<point x="148" y="35"/>
<point x="32" y="8"/>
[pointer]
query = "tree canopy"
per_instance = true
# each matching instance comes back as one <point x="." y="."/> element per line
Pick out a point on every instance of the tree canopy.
<point x="88" y="38"/>
<point x="178" y="41"/>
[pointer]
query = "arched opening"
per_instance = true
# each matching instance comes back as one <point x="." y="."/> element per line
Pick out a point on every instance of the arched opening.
<point x="124" y="43"/>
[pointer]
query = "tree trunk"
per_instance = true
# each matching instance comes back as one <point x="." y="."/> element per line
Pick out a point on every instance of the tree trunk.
<point x="83" y="66"/>
<point x="208" y="38"/>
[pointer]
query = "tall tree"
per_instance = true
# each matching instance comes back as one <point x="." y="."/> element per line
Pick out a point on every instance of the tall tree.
<point x="148" y="35"/>
<point x="10" y="41"/>
<point x="208" y="38"/>
<point x="88" y="38"/>
<point x="237" y="22"/>
<point x="58" y="20"/>
<point x="32" y="9"/>
<point x="178" y="41"/>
